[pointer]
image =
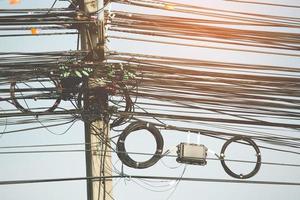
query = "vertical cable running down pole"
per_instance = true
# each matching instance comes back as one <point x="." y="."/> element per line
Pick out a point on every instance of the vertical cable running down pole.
<point x="95" y="104"/>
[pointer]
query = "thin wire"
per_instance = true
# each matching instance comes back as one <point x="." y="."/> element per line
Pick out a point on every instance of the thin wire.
<point x="63" y="132"/>
<point x="51" y="7"/>
<point x="135" y="153"/>
<point x="177" y="183"/>
<point x="265" y="3"/>
<point x="5" y="125"/>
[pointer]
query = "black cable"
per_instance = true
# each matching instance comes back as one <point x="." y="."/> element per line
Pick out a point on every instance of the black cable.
<point x="25" y="110"/>
<point x="39" y="127"/>
<point x="265" y="3"/>
<point x="217" y="135"/>
<point x="51" y="6"/>
<point x="217" y="180"/>
<point x="128" y="107"/>
<point x="136" y="153"/>
<point x="121" y="150"/>
<point x="5" y="125"/>
<point x="212" y="119"/>
<point x="194" y="179"/>
<point x="40" y="34"/>
<point x="258" y="159"/>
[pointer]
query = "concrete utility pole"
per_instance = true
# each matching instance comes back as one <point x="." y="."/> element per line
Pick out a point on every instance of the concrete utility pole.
<point x="98" y="156"/>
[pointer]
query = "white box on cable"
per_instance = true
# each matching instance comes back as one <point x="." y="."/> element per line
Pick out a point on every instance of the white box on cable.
<point x="194" y="154"/>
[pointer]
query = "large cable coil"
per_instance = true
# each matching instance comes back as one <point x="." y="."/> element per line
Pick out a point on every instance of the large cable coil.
<point x="258" y="157"/>
<point x="121" y="150"/>
<point x="16" y="98"/>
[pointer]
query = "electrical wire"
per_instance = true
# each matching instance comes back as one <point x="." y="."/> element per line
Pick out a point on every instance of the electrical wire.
<point x="194" y="179"/>
<point x="265" y="3"/>
<point x="94" y="149"/>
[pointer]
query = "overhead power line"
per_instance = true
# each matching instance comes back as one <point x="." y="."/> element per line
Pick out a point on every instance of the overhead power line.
<point x="265" y="3"/>
<point x="94" y="149"/>
<point x="99" y="178"/>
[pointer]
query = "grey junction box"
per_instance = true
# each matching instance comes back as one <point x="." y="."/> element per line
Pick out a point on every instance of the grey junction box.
<point x="194" y="154"/>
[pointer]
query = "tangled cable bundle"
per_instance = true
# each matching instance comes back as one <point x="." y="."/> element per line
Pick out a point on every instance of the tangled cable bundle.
<point x="129" y="107"/>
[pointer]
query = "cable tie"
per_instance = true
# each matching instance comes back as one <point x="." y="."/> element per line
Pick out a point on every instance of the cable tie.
<point x="128" y="178"/>
<point x="112" y="16"/>
<point x="189" y="137"/>
<point x="198" y="138"/>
